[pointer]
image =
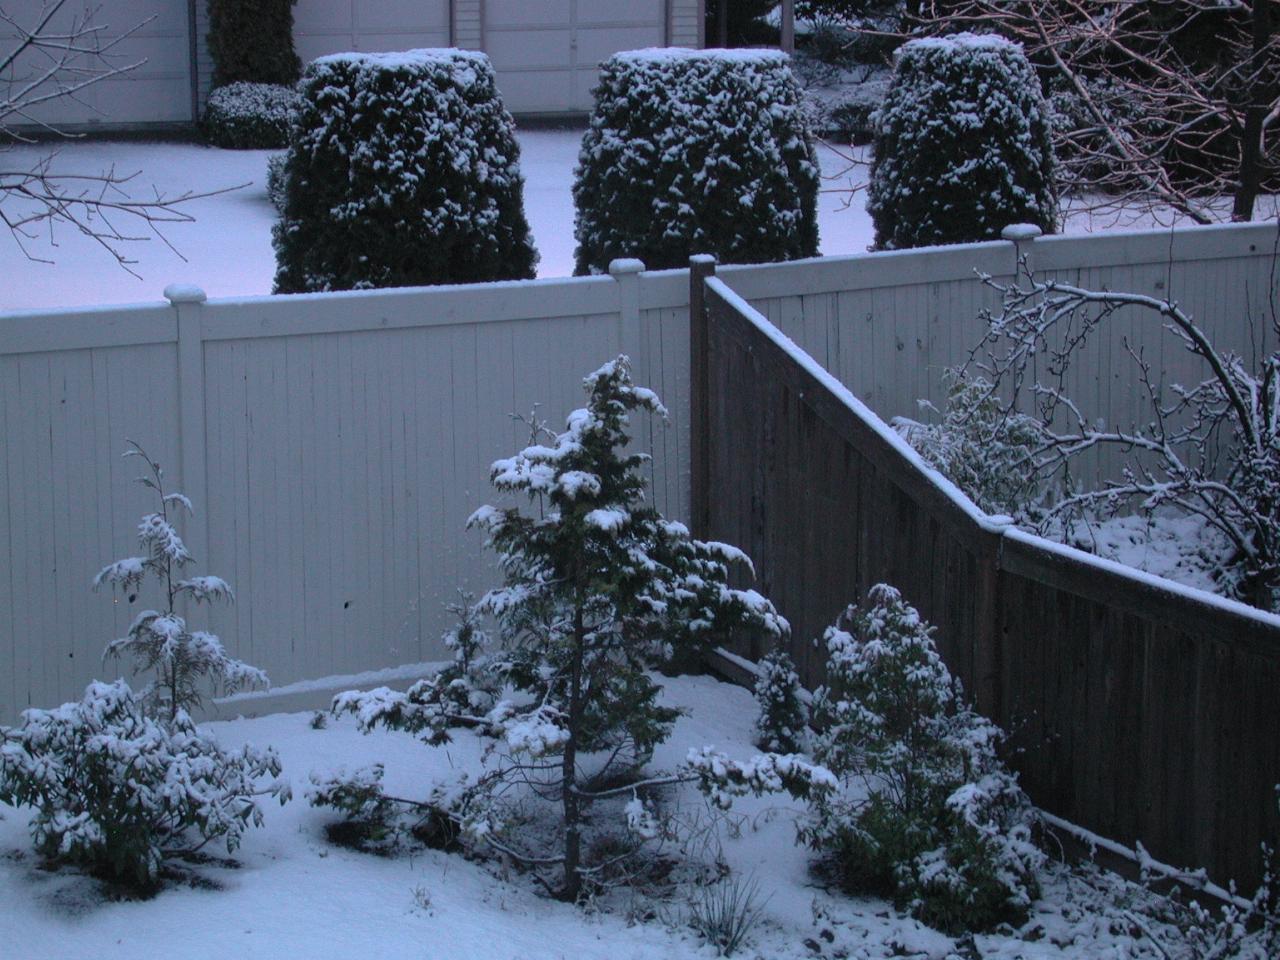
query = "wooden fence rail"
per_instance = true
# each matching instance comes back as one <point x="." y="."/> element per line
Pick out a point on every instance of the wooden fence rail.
<point x="1142" y="712"/>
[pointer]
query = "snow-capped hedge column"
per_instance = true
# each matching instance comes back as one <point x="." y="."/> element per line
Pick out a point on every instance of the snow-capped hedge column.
<point x="962" y="145"/>
<point x="695" y="151"/>
<point x="404" y="170"/>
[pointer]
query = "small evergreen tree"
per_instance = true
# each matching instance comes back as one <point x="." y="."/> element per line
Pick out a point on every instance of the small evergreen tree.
<point x="962" y="145"/>
<point x="695" y="151"/>
<point x="159" y="639"/>
<point x="598" y="588"/>
<point x="120" y="781"/>
<point x="403" y="169"/>
<point x="782" y="724"/>
<point x="928" y="812"/>
<point x="251" y="41"/>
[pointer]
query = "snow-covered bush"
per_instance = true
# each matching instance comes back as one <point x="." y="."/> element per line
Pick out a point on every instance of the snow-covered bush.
<point x="962" y="145"/>
<point x="251" y="41"/>
<point x="403" y="170"/>
<point x="121" y="781"/>
<point x="598" y="589"/>
<point x="275" y="180"/>
<point x="250" y="116"/>
<point x="983" y="447"/>
<point x="927" y="811"/>
<point x="782" y="725"/>
<point x="118" y="791"/>
<point x="159" y="639"/>
<point x="695" y="151"/>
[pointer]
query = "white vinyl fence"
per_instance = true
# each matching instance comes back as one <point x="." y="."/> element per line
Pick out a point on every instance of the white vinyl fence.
<point x="888" y="324"/>
<point x="335" y="444"/>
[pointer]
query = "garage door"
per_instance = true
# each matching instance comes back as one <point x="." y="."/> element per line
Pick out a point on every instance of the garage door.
<point x="158" y="90"/>
<point x="336" y="26"/>
<point x="547" y="53"/>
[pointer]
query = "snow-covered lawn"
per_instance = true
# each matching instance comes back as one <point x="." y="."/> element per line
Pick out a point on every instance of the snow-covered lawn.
<point x="228" y="247"/>
<point x="292" y="894"/>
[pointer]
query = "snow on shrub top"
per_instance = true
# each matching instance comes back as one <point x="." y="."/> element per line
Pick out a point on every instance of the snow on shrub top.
<point x="405" y="170"/>
<point x="695" y="151"/>
<point x="962" y="145"/>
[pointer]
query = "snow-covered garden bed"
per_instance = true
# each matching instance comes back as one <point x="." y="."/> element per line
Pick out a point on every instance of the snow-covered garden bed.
<point x="290" y="891"/>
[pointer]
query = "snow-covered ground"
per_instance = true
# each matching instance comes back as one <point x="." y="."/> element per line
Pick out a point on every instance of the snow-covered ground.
<point x="227" y="249"/>
<point x="290" y="893"/>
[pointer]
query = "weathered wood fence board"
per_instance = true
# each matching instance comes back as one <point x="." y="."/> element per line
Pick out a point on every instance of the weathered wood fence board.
<point x="1143" y="712"/>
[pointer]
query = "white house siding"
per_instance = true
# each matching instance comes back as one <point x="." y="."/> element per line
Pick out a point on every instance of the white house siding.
<point x="685" y="24"/>
<point x="158" y="90"/>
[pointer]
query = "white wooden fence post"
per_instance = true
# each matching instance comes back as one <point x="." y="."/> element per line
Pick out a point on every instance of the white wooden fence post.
<point x="627" y="274"/>
<point x="187" y="301"/>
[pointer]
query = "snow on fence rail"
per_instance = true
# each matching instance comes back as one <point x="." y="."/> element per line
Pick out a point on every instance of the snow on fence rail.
<point x="1143" y="711"/>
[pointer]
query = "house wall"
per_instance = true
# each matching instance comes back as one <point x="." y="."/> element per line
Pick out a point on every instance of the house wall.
<point x="545" y="54"/>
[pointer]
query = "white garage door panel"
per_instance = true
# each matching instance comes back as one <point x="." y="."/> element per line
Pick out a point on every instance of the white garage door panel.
<point x="145" y="101"/>
<point x="322" y="27"/>
<point x="403" y="41"/>
<point x="412" y="16"/>
<point x="165" y="56"/>
<point x="312" y="15"/>
<point x="541" y="48"/>
<point x="618" y="11"/>
<point x="564" y="41"/>
<point x="540" y="91"/>
<point x="157" y="90"/>
<point x="515" y="13"/>
<point x="597" y="45"/>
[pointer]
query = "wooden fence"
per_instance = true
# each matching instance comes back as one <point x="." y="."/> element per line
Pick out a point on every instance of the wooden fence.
<point x="1142" y="712"/>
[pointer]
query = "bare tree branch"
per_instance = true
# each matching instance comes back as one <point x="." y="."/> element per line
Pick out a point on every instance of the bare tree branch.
<point x="60" y="50"/>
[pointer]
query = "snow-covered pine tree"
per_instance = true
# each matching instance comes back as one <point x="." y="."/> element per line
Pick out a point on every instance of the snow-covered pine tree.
<point x="159" y="639"/>
<point x="962" y="145"/>
<point x="599" y="587"/>
<point x="782" y="726"/>
<point x="927" y="810"/>
<point x="120" y="782"/>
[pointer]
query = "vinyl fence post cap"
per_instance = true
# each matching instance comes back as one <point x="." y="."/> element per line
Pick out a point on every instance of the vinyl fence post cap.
<point x="1021" y="231"/>
<point x="184" y="293"/>
<point x="625" y="265"/>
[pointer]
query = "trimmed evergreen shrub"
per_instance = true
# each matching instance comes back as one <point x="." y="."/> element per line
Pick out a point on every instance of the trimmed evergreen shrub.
<point x="251" y="41"/>
<point x="695" y="151"/>
<point x="403" y="170"/>
<point x="250" y="116"/>
<point x="962" y="145"/>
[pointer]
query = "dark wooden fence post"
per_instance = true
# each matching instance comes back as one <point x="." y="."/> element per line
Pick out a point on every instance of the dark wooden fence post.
<point x="701" y="266"/>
